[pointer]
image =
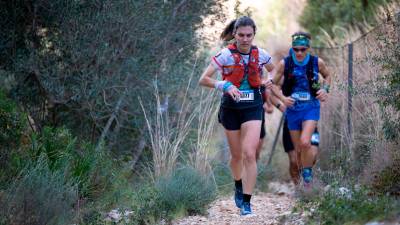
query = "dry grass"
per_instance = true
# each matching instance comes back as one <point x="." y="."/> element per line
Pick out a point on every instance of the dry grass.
<point x="168" y="134"/>
<point x="206" y="113"/>
<point x="359" y="148"/>
<point x="166" y="139"/>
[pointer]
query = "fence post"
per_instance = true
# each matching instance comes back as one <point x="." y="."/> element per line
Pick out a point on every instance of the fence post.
<point x="350" y="93"/>
<point x="397" y="25"/>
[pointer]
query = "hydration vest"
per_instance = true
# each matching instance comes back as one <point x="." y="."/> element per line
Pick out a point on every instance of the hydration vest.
<point x="289" y="79"/>
<point x="236" y="73"/>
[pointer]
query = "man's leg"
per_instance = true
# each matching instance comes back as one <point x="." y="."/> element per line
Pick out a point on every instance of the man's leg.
<point x="295" y="137"/>
<point x="292" y="154"/>
<point x="307" y="153"/>
<point x="262" y="135"/>
<point x="294" y="169"/>
<point x="315" y="145"/>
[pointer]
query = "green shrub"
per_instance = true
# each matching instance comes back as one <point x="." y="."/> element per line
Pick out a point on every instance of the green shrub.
<point x="147" y="205"/>
<point x="12" y="126"/>
<point x="56" y="143"/>
<point x="266" y="173"/>
<point x="12" y="122"/>
<point x="335" y="166"/>
<point x="40" y="196"/>
<point x="388" y="180"/>
<point x="223" y="178"/>
<point x="184" y="192"/>
<point x="328" y="16"/>
<point x="186" y="189"/>
<point x="355" y="206"/>
<point x="92" y="170"/>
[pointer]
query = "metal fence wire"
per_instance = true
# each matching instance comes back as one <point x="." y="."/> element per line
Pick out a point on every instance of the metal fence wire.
<point x="351" y="121"/>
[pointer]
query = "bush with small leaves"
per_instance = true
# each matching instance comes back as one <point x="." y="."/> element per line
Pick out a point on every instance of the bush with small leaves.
<point x="352" y="206"/>
<point x="39" y="196"/>
<point x="186" y="189"/>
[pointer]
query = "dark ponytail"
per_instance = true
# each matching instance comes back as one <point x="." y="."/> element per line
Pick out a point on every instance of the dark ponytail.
<point x="227" y="34"/>
<point x="230" y="29"/>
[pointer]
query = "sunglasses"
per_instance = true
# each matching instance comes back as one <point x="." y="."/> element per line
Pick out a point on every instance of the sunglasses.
<point x="300" y="49"/>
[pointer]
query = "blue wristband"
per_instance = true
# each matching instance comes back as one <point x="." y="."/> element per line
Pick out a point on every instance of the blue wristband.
<point x="226" y="86"/>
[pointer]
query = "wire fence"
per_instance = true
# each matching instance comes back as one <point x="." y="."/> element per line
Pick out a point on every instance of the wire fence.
<point x="351" y="121"/>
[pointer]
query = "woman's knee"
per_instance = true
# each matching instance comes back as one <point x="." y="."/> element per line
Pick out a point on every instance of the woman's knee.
<point x="236" y="156"/>
<point x="250" y="156"/>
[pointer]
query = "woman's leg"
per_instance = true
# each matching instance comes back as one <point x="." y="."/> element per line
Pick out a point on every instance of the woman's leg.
<point x="249" y="138"/>
<point x="236" y="162"/>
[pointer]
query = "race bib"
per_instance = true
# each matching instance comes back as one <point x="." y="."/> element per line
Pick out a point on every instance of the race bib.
<point x="301" y="96"/>
<point x="246" y="95"/>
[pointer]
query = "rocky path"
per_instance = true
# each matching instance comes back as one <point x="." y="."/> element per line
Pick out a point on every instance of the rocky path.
<point x="268" y="208"/>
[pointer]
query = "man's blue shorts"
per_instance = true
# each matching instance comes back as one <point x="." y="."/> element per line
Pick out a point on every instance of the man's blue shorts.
<point x="302" y="111"/>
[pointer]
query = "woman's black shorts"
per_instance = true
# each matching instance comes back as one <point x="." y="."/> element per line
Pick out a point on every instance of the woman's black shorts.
<point x="232" y="118"/>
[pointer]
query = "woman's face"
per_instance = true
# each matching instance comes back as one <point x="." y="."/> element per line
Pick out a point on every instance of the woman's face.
<point x="244" y="37"/>
<point x="300" y="52"/>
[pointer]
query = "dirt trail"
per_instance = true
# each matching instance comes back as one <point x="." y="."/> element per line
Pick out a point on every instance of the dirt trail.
<point x="268" y="208"/>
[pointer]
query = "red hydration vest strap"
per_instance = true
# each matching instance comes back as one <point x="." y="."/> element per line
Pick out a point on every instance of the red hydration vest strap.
<point x="236" y="73"/>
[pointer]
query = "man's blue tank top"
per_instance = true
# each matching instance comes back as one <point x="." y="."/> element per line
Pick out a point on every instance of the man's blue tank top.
<point x="300" y="73"/>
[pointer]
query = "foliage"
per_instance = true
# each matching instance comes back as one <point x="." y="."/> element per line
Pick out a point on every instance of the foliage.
<point x="389" y="84"/>
<point x="56" y="144"/>
<point x="266" y="173"/>
<point x="85" y="61"/>
<point x="223" y="177"/>
<point x="39" y="196"/>
<point x="12" y="128"/>
<point x="388" y="179"/>
<point x="183" y="192"/>
<point x="147" y="205"/>
<point x="389" y="62"/>
<point x="352" y="207"/>
<point x="335" y="166"/>
<point x="12" y="122"/>
<point x="92" y="170"/>
<point x="333" y="16"/>
<point x="195" y="191"/>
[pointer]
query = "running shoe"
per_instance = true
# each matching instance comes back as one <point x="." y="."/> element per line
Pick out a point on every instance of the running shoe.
<point x="307" y="175"/>
<point x="245" y="209"/>
<point x="307" y="178"/>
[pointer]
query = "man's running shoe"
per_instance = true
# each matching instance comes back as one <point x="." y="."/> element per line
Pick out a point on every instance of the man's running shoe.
<point x="307" y="175"/>
<point x="245" y="209"/>
<point x="238" y="196"/>
<point x="307" y="178"/>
